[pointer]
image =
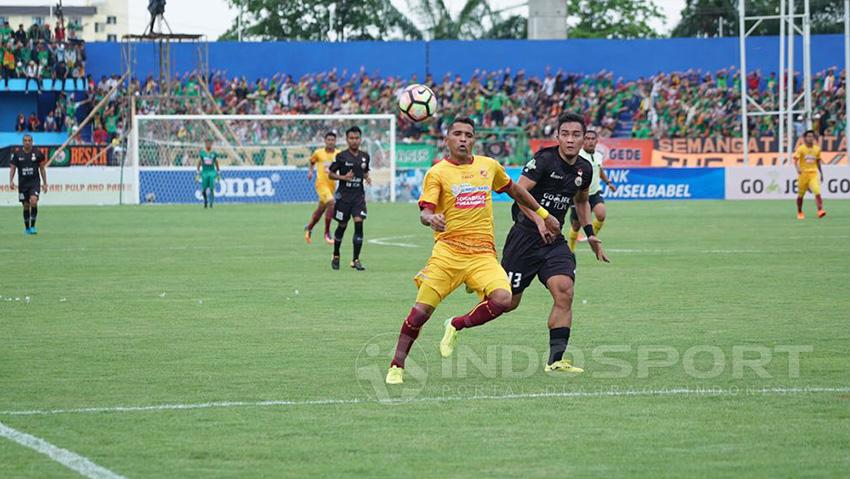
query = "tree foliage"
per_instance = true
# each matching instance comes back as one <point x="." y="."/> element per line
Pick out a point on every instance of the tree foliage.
<point x="701" y="18"/>
<point x="612" y="18"/>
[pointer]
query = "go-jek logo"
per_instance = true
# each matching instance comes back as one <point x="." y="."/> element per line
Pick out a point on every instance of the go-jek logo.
<point x="244" y="187"/>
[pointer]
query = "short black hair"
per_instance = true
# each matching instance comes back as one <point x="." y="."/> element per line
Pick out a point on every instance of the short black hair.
<point x="27" y="135"/>
<point x="332" y="133"/>
<point x="570" y="117"/>
<point x="463" y="119"/>
<point x="591" y="131"/>
<point x="353" y="129"/>
<point x="809" y="131"/>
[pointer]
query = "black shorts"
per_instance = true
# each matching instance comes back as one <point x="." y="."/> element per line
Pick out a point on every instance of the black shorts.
<point x="594" y="199"/>
<point x="526" y="256"/>
<point x="345" y="208"/>
<point x="27" y="191"/>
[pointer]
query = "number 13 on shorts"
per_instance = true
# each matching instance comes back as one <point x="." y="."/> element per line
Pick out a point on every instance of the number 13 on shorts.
<point x="515" y="279"/>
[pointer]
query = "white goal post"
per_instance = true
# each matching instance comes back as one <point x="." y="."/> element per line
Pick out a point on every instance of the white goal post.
<point x="263" y="158"/>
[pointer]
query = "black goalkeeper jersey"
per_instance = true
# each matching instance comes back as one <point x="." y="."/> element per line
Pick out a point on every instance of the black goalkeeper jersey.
<point x="556" y="183"/>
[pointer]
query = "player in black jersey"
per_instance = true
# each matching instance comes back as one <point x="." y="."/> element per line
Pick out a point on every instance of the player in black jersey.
<point x="351" y="169"/>
<point x="554" y="176"/>
<point x="28" y="163"/>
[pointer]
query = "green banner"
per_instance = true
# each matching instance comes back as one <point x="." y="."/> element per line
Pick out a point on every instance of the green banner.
<point x="415" y="155"/>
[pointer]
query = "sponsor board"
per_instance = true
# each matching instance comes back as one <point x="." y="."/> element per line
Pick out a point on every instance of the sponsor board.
<point x="236" y="185"/>
<point x="77" y="185"/>
<point x="666" y="184"/>
<point x="617" y="152"/>
<point x="774" y="183"/>
<point x="74" y="155"/>
<point x="728" y="152"/>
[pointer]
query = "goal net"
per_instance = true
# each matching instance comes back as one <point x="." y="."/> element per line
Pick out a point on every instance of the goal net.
<point x="263" y="158"/>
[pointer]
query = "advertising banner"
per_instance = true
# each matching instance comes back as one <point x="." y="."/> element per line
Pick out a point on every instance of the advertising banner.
<point x="618" y="152"/>
<point x="666" y="184"/>
<point x="77" y="185"/>
<point x="728" y="152"/>
<point x="237" y="185"/>
<point x="774" y="183"/>
<point x="76" y="155"/>
<point x="415" y="155"/>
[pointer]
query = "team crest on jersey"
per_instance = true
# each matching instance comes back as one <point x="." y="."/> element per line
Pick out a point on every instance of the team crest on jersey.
<point x="578" y="180"/>
<point x="363" y="165"/>
<point x="484" y="173"/>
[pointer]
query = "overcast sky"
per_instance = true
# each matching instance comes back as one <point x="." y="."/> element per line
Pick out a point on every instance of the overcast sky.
<point x="214" y="17"/>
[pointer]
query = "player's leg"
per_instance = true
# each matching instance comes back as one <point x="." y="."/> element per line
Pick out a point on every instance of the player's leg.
<point x="484" y="273"/>
<point x="33" y="211"/>
<point x="329" y="214"/>
<point x="314" y="218"/>
<point x="204" y="189"/>
<point x="802" y="186"/>
<point x="435" y="281"/>
<point x="597" y="205"/>
<point x="357" y="241"/>
<point x="574" y="228"/>
<point x="212" y="189"/>
<point x="558" y="274"/>
<point x="814" y="186"/>
<point x="341" y="214"/>
<point x="25" y="204"/>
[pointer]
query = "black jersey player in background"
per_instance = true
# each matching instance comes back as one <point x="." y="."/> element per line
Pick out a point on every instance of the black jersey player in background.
<point x="554" y="176"/>
<point x="29" y="163"/>
<point x="351" y="169"/>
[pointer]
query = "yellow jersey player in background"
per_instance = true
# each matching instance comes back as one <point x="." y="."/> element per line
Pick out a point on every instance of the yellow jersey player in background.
<point x="807" y="161"/>
<point x="457" y="204"/>
<point x="320" y="161"/>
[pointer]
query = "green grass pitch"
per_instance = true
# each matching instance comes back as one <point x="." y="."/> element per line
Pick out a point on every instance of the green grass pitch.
<point x="684" y="338"/>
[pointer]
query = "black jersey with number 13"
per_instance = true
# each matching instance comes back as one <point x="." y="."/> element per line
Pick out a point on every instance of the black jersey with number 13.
<point x="345" y="162"/>
<point x="556" y="183"/>
<point x="27" y="165"/>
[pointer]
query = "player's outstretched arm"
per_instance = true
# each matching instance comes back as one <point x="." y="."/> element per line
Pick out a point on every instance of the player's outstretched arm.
<point x="604" y="177"/>
<point x="43" y="170"/>
<point x="582" y="205"/>
<point x="529" y="184"/>
<point x="524" y="198"/>
<point x="12" y="176"/>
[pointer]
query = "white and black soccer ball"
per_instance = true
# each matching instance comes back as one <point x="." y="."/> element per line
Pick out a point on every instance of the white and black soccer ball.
<point x="417" y="102"/>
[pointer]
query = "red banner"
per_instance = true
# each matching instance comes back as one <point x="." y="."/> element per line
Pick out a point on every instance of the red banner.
<point x="618" y="152"/>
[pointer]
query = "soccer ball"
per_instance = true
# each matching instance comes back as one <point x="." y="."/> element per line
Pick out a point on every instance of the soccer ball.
<point x="417" y="102"/>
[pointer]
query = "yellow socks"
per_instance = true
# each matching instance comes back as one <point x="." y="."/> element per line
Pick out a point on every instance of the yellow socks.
<point x="597" y="225"/>
<point x="572" y="239"/>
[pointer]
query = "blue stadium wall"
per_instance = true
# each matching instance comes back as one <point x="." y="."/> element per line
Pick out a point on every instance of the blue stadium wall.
<point x="627" y="58"/>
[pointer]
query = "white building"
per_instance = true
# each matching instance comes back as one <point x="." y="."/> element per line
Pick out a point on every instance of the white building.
<point x="101" y="20"/>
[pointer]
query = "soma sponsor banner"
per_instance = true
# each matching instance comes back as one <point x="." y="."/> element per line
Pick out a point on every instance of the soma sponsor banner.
<point x="78" y="185"/>
<point x="617" y="152"/>
<point x="666" y="184"/>
<point x="236" y="185"/>
<point x="728" y="152"/>
<point x="775" y="183"/>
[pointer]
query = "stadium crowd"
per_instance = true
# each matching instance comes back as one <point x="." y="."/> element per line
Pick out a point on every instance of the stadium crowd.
<point x="666" y="105"/>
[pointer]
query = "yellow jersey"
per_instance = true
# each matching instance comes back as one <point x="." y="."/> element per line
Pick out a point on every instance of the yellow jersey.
<point x="808" y="158"/>
<point x="464" y="194"/>
<point x="323" y="159"/>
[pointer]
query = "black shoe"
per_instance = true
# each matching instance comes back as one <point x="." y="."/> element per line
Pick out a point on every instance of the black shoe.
<point x="335" y="262"/>
<point x="357" y="265"/>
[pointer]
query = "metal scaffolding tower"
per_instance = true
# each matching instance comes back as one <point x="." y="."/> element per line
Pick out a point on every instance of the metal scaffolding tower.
<point x="791" y="101"/>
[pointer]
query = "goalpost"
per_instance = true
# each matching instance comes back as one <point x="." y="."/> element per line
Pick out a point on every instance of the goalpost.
<point x="263" y="158"/>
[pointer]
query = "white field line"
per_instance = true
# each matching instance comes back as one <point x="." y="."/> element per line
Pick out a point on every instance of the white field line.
<point x="708" y="391"/>
<point x="389" y="241"/>
<point x="72" y="461"/>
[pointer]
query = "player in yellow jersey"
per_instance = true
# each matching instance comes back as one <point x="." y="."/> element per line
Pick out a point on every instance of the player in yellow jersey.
<point x="320" y="160"/>
<point x="456" y="203"/>
<point x="809" y="173"/>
